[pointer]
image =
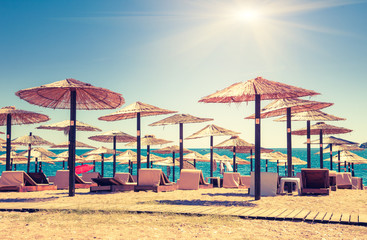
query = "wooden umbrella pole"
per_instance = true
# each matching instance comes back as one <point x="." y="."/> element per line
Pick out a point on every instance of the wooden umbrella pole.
<point x="29" y="154"/>
<point x="72" y="137"/>
<point x="211" y="156"/>
<point x="338" y="161"/>
<point x="289" y="143"/>
<point x="308" y="144"/>
<point x="266" y="165"/>
<point x="173" y="168"/>
<point x="251" y="160"/>
<point x="114" y="156"/>
<point x="331" y="156"/>
<point x="352" y="169"/>
<point x="138" y="150"/>
<point x="278" y="166"/>
<point x="181" y="146"/>
<point x="63" y="165"/>
<point x="257" y="148"/>
<point x="102" y="165"/>
<point x="234" y="159"/>
<point x="35" y="164"/>
<point x="148" y="156"/>
<point x="321" y="151"/>
<point x="8" y="142"/>
<point x="94" y="165"/>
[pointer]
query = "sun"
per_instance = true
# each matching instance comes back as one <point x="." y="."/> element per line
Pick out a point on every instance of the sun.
<point x="248" y="15"/>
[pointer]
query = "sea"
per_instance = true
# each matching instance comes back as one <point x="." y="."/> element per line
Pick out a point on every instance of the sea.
<point x="360" y="170"/>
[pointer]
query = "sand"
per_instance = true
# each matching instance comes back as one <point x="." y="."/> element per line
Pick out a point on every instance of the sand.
<point x="85" y="223"/>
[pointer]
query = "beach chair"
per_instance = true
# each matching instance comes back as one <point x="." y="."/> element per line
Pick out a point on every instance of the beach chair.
<point x="51" y="179"/>
<point x="125" y="177"/>
<point x="155" y="180"/>
<point x="344" y="180"/>
<point x="20" y="181"/>
<point x="62" y="181"/>
<point x="191" y="179"/>
<point x="269" y="184"/>
<point x="39" y="177"/>
<point x="87" y="176"/>
<point x="357" y="183"/>
<point x="112" y="185"/>
<point x="315" y="181"/>
<point x="246" y="181"/>
<point x="232" y="180"/>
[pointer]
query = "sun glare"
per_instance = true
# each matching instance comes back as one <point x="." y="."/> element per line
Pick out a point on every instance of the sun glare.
<point x="248" y="15"/>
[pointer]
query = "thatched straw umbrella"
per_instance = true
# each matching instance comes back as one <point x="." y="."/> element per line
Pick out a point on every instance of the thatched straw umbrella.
<point x="350" y="158"/>
<point x="286" y="107"/>
<point x="65" y="126"/>
<point x="171" y="150"/>
<point x="61" y="157"/>
<point x="195" y="156"/>
<point x="149" y="140"/>
<point x="333" y="141"/>
<point x="136" y="110"/>
<point x="270" y="156"/>
<point x="250" y="151"/>
<point x="30" y="140"/>
<point x="15" y="158"/>
<point x="235" y="142"/>
<point x="71" y="94"/>
<point x="321" y="129"/>
<point x="180" y="119"/>
<point x="256" y="90"/>
<point x="11" y="116"/>
<point x="113" y="136"/>
<point x="211" y="131"/>
<point x="39" y="154"/>
<point x="100" y="151"/>
<point x="313" y="115"/>
<point x="127" y="157"/>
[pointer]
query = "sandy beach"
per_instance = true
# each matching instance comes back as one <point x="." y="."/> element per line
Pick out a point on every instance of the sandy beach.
<point x="89" y="222"/>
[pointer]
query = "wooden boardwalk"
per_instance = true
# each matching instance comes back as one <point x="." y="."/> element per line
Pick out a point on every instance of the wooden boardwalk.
<point x="198" y="210"/>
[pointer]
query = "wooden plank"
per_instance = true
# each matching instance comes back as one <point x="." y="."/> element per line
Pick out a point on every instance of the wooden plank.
<point x="276" y="213"/>
<point x="265" y="214"/>
<point x="250" y="212"/>
<point x="327" y="217"/>
<point x="185" y="209"/>
<point x="203" y="210"/>
<point x="320" y="217"/>
<point x="362" y="219"/>
<point x="335" y="218"/>
<point x="284" y="214"/>
<point x="301" y="215"/>
<point x="311" y="216"/>
<point x="345" y="218"/>
<point x="354" y="218"/>
<point x="242" y="212"/>
<point x="233" y="211"/>
<point x="293" y="214"/>
<point x="255" y="214"/>
<point x="214" y="210"/>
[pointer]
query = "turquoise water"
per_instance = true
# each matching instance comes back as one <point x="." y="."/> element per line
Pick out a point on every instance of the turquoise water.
<point x="360" y="169"/>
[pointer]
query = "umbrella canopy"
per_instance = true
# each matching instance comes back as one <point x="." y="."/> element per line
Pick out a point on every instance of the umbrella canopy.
<point x="71" y="94"/>
<point x="11" y="116"/>
<point x="194" y="156"/>
<point x="313" y="115"/>
<point x="171" y="149"/>
<point x="39" y="152"/>
<point x="136" y="110"/>
<point x="114" y="137"/>
<point x="180" y="119"/>
<point x="83" y="168"/>
<point x="64" y="155"/>
<point x="343" y="147"/>
<point x="77" y="144"/>
<point x="349" y="157"/>
<point x="100" y="150"/>
<point x="150" y="140"/>
<point x="256" y="90"/>
<point x="333" y="140"/>
<point x="212" y="130"/>
<point x="168" y="161"/>
<point x="65" y="126"/>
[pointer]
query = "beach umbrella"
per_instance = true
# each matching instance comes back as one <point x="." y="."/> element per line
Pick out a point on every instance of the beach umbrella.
<point x="180" y="119"/>
<point x="128" y="157"/>
<point x="114" y="137"/>
<point x="348" y="157"/>
<point x="149" y="140"/>
<point x="83" y="168"/>
<point x="256" y="90"/>
<point x="71" y="94"/>
<point x="235" y="142"/>
<point x="30" y="140"/>
<point x="195" y="156"/>
<point x="333" y="141"/>
<point x="39" y="154"/>
<point x="321" y="129"/>
<point x="287" y="106"/>
<point x="171" y="150"/>
<point x="211" y="131"/>
<point x="77" y="145"/>
<point x="65" y="127"/>
<point x="11" y="116"/>
<point x="136" y="110"/>
<point x="61" y="157"/>
<point x="15" y="158"/>
<point x="312" y="115"/>
<point x="100" y="151"/>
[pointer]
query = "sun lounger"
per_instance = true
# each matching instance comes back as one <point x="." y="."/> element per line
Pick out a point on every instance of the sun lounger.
<point x="20" y="181"/>
<point x="191" y="179"/>
<point x="315" y="181"/>
<point x="87" y="176"/>
<point x="51" y="179"/>
<point x="112" y="185"/>
<point x="269" y="184"/>
<point x="232" y="180"/>
<point x="344" y="180"/>
<point x="246" y="181"/>
<point x="39" y="177"/>
<point x="125" y="177"/>
<point x="62" y="181"/>
<point x="155" y="180"/>
<point x="357" y="183"/>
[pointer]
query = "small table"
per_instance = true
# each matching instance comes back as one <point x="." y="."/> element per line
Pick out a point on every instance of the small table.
<point x="290" y="180"/>
<point x="214" y="180"/>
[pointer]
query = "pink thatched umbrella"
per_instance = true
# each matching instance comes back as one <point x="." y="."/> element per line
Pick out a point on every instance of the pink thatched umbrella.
<point x="11" y="116"/>
<point x="71" y="94"/>
<point x="211" y="131"/>
<point x="65" y="126"/>
<point x="256" y="90"/>
<point x="136" y="110"/>
<point x="312" y="115"/>
<point x="180" y="119"/>
<point x="113" y="136"/>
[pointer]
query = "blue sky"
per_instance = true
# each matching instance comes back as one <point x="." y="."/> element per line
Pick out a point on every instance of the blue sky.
<point x="172" y="53"/>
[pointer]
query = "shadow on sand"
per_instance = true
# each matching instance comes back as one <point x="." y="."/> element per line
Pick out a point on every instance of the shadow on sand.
<point x="208" y="203"/>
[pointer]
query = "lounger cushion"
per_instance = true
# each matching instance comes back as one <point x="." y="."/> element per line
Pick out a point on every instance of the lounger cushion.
<point x="124" y="177"/>
<point x="268" y="182"/>
<point x="149" y="177"/>
<point x="231" y="180"/>
<point x="16" y="178"/>
<point x="189" y="179"/>
<point x="344" y="180"/>
<point x="87" y="177"/>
